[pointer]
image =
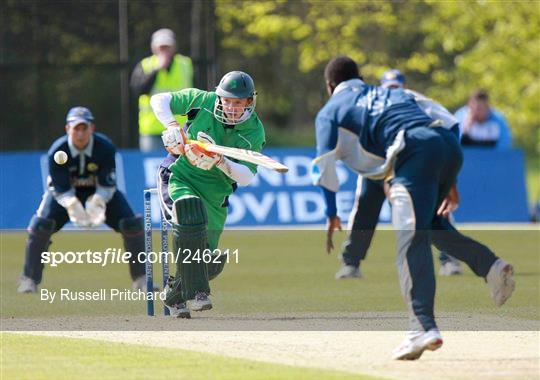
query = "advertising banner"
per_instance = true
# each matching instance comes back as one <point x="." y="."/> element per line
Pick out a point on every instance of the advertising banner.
<point x="491" y="183"/>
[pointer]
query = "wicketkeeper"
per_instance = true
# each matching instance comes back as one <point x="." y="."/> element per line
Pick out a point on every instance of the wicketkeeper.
<point x="83" y="191"/>
<point x="195" y="184"/>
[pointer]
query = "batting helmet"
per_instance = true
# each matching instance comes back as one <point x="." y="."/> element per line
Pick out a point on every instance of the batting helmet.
<point x="236" y="85"/>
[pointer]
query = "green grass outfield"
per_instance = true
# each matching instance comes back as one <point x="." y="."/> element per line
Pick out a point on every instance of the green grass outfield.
<point x="278" y="271"/>
<point x="39" y="357"/>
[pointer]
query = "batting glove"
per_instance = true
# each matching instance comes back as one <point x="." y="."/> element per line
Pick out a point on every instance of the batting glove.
<point x="174" y="140"/>
<point x="95" y="208"/>
<point x="203" y="137"/>
<point x="199" y="157"/>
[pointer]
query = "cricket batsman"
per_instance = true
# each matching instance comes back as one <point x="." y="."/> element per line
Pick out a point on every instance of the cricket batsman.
<point x="82" y="190"/>
<point x="195" y="184"/>
<point x="383" y="134"/>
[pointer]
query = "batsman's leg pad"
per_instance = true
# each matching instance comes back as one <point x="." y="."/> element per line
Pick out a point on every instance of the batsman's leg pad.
<point x="189" y="212"/>
<point x="216" y="266"/>
<point x="174" y="295"/>
<point x="190" y="238"/>
<point x="39" y="240"/>
<point x="132" y="233"/>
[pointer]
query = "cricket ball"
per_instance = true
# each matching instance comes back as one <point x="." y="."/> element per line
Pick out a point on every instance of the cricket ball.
<point x="60" y="157"/>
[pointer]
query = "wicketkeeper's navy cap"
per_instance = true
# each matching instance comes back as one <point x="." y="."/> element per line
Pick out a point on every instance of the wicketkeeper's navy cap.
<point x="79" y="115"/>
<point x="393" y="78"/>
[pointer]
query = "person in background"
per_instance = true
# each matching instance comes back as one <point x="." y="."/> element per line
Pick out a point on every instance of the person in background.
<point x="393" y="79"/>
<point x="163" y="71"/>
<point x="481" y="125"/>
<point x="82" y="190"/>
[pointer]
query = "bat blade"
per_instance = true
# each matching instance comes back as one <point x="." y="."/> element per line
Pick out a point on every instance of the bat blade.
<point x="245" y="155"/>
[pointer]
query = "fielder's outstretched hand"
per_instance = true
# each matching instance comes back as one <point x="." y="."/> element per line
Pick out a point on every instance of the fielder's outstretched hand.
<point x="331" y="225"/>
<point x="450" y="203"/>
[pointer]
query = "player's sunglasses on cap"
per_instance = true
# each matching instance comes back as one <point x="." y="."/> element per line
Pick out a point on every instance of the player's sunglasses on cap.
<point x="79" y="115"/>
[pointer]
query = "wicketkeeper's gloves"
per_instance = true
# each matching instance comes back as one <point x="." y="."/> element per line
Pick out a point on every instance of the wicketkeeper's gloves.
<point x="95" y="209"/>
<point x="77" y="214"/>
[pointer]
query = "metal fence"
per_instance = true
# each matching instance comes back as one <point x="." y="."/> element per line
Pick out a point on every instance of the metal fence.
<point x="57" y="54"/>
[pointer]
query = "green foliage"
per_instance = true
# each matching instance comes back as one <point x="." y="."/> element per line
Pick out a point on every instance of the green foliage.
<point x="446" y="49"/>
<point x="491" y="45"/>
<point x="278" y="271"/>
<point x="55" y="54"/>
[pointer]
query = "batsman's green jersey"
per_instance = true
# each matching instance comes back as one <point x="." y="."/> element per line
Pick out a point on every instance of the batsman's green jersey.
<point x="212" y="186"/>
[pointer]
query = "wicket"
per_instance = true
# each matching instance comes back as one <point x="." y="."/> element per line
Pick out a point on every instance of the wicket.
<point x="164" y="227"/>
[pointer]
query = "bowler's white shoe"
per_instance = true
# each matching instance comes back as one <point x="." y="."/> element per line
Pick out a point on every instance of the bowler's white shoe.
<point x="500" y="281"/>
<point x="348" y="271"/>
<point x="416" y="343"/>
<point x="200" y="302"/>
<point x="450" y="268"/>
<point x="26" y="285"/>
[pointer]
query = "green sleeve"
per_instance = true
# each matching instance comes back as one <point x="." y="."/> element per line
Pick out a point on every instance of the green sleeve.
<point x="184" y="100"/>
<point x="254" y="140"/>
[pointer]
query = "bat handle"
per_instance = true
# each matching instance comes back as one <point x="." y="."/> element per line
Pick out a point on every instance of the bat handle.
<point x="201" y="144"/>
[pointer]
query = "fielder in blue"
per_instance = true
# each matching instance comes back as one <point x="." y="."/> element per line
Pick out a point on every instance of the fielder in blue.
<point x="83" y="191"/>
<point x="369" y="200"/>
<point x="383" y="134"/>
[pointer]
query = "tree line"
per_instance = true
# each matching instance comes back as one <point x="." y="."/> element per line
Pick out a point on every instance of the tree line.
<point x="55" y="54"/>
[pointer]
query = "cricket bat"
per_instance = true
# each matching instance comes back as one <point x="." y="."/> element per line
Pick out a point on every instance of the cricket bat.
<point x="243" y="155"/>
